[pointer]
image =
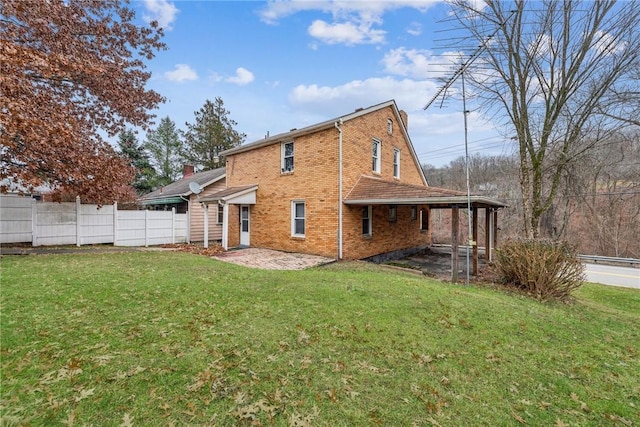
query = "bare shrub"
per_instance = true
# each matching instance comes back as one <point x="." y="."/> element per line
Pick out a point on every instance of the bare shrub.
<point x="545" y="269"/>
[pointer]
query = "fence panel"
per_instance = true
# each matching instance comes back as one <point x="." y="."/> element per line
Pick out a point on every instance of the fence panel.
<point x="55" y="224"/>
<point x="15" y="219"/>
<point x="181" y="227"/>
<point x="131" y="228"/>
<point x="47" y="223"/>
<point x="96" y="225"/>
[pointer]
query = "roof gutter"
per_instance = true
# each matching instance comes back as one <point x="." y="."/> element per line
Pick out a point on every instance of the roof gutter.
<point x="338" y="126"/>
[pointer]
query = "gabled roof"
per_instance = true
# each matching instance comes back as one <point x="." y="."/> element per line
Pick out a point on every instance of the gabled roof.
<point x="294" y="133"/>
<point x="181" y="186"/>
<point x="229" y="193"/>
<point x="374" y="191"/>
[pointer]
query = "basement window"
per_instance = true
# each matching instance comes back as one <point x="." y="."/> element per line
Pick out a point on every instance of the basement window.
<point x="366" y="221"/>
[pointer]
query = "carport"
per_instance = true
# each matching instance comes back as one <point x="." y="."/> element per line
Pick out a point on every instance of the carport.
<point x="372" y="191"/>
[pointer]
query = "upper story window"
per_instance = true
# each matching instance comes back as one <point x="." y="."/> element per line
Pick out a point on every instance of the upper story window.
<point x="396" y="163"/>
<point x="389" y="126"/>
<point x="375" y="155"/>
<point x="287" y="157"/>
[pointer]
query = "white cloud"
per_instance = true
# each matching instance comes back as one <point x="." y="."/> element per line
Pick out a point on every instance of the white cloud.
<point x="162" y="11"/>
<point x="415" y="29"/>
<point x="409" y="94"/>
<point x="352" y="21"/>
<point x="242" y="77"/>
<point x="606" y="44"/>
<point x="181" y="73"/>
<point x="419" y="64"/>
<point x="349" y="33"/>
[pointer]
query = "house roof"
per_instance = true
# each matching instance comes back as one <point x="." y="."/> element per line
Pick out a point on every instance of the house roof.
<point x="374" y="191"/>
<point x="229" y="193"/>
<point x="294" y="133"/>
<point x="180" y="188"/>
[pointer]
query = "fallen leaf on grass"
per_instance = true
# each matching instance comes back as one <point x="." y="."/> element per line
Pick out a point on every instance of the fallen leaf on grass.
<point x="127" y="420"/>
<point x="519" y="419"/>
<point x="84" y="393"/>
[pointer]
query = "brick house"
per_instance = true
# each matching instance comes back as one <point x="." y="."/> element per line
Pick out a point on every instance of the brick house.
<point x="179" y="196"/>
<point x="347" y="188"/>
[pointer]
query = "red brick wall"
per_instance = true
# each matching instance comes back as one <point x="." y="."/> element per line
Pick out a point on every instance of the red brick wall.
<point x="315" y="181"/>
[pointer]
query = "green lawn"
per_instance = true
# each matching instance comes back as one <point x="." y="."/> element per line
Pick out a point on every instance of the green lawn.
<point x="163" y="338"/>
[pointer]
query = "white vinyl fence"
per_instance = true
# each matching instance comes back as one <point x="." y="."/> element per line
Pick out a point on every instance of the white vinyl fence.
<point x="24" y="220"/>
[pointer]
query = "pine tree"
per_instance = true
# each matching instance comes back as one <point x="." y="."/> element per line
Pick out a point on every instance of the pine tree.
<point x="212" y="133"/>
<point x="146" y="176"/>
<point x="165" y="146"/>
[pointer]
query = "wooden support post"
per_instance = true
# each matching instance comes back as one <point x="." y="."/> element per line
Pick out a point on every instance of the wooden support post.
<point x="474" y="237"/>
<point x="455" y="256"/>
<point x="495" y="228"/>
<point x="487" y="234"/>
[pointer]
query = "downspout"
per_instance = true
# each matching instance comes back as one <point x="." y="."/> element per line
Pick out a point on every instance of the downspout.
<point x="338" y="125"/>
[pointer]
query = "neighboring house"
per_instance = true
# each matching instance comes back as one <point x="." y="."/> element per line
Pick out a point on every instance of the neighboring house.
<point x="178" y="195"/>
<point x="347" y="188"/>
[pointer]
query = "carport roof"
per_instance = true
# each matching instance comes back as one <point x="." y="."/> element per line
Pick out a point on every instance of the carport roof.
<point x="374" y="191"/>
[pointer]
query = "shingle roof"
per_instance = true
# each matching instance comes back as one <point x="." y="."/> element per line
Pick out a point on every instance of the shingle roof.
<point x="294" y="133"/>
<point x="371" y="191"/>
<point x="181" y="186"/>
<point x="230" y="191"/>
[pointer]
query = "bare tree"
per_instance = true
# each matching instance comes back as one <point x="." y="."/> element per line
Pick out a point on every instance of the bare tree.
<point x="560" y="75"/>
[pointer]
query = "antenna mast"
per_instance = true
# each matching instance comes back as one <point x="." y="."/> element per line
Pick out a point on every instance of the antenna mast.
<point x="460" y="73"/>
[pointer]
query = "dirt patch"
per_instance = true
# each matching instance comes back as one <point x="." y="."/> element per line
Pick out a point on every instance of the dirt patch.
<point x="212" y="250"/>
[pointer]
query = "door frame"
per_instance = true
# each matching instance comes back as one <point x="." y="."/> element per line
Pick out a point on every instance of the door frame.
<point x="245" y="236"/>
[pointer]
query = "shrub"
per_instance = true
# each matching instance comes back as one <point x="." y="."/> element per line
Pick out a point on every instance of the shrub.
<point x="542" y="268"/>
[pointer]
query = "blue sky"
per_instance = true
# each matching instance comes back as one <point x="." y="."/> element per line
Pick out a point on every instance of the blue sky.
<point x="288" y="64"/>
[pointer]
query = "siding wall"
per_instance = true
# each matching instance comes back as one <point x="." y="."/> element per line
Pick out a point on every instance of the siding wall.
<point x="315" y="181"/>
<point x="196" y="215"/>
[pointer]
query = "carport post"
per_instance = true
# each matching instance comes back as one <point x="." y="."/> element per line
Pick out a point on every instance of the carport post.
<point x="487" y="235"/>
<point x="455" y="256"/>
<point x="474" y="237"/>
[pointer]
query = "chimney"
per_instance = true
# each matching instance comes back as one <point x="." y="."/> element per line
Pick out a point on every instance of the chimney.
<point x="405" y="119"/>
<point x="187" y="170"/>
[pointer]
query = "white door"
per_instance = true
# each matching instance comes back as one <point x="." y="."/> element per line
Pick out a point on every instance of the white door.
<point x="244" y="225"/>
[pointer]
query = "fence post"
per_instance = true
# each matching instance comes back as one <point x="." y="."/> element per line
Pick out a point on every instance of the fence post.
<point x="173" y="225"/>
<point x="78" y="228"/>
<point x="146" y="228"/>
<point x="34" y="223"/>
<point x="115" y="223"/>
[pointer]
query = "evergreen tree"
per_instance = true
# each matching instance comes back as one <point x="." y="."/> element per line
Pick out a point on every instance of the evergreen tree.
<point x="146" y="175"/>
<point x="165" y="146"/>
<point x="212" y="133"/>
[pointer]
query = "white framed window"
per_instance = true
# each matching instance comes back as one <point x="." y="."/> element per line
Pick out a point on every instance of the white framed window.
<point x="220" y="214"/>
<point x="396" y="163"/>
<point x="393" y="213"/>
<point x="389" y="126"/>
<point x="298" y="220"/>
<point x="287" y="157"/>
<point x="375" y="155"/>
<point x="366" y="221"/>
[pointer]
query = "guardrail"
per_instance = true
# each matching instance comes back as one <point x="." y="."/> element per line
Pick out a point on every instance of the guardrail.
<point x="595" y="259"/>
